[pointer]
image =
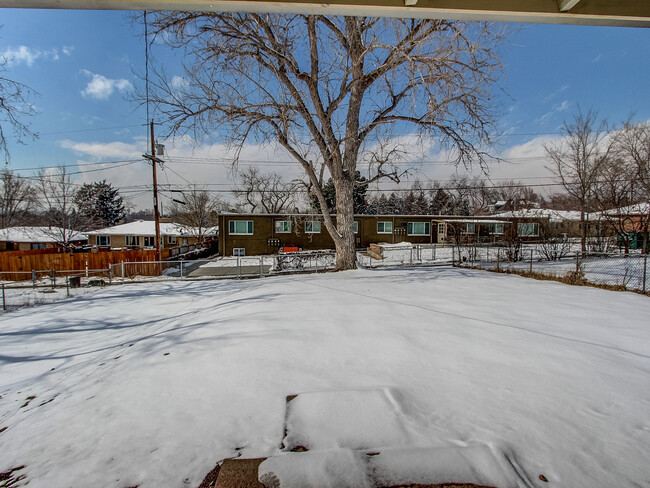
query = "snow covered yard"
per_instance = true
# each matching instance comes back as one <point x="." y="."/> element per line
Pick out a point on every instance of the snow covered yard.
<point x="151" y="384"/>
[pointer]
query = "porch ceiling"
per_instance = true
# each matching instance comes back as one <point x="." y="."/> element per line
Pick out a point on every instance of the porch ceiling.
<point x="634" y="13"/>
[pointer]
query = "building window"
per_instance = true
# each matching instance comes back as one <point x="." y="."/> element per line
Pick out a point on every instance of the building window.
<point x="418" y="228"/>
<point x="149" y="241"/>
<point x="37" y="245"/>
<point x="132" y="240"/>
<point x="470" y="228"/>
<point x="243" y="227"/>
<point x="355" y="226"/>
<point x="441" y="229"/>
<point x="384" y="227"/>
<point x="528" y="229"/>
<point x="103" y="240"/>
<point x="239" y="251"/>
<point x="312" y="227"/>
<point x="171" y="239"/>
<point x="282" y="226"/>
<point x="496" y="228"/>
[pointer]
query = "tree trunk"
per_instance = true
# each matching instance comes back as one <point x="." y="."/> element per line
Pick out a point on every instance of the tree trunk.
<point x="346" y="256"/>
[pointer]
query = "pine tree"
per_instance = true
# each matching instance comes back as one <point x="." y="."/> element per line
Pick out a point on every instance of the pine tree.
<point x="100" y="204"/>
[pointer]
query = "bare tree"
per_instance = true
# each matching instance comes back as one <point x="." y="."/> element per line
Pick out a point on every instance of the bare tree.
<point x="198" y="213"/>
<point x="264" y="192"/>
<point x="15" y="107"/>
<point x="332" y="91"/>
<point x="578" y="159"/>
<point x="16" y="197"/>
<point x="57" y="199"/>
<point x="632" y="145"/>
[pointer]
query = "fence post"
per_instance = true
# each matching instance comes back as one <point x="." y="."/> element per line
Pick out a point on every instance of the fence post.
<point x="110" y="274"/>
<point x="181" y="270"/>
<point x="86" y="269"/>
<point x="645" y="271"/>
<point x="34" y="278"/>
<point x="4" y="301"/>
<point x="67" y="285"/>
<point x="122" y="272"/>
<point x="531" y="261"/>
<point x="411" y="257"/>
<point x="53" y="276"/>
<point x="498" y="259"/>
<point x="238" y="267"/>
<point x="261" y="266"/>
<point x="577" y="262"/>
<point x="433" y="257"/>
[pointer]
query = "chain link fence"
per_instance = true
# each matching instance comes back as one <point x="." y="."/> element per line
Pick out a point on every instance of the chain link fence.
<point x="614" y="269"/>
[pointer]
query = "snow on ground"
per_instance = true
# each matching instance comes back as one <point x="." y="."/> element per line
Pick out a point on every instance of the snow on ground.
<point x="150" y="384"/>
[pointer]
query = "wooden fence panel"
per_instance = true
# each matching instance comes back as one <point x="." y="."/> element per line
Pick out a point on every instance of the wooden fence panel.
<point x="62" y="262"/>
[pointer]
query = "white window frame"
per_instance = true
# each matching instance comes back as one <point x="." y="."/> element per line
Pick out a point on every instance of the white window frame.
<point x="281" y="227"/>
<point x="535" y="230"/>
<point x="469" y="225"/>
<point x="232" y="227"/>
<point x="171" y="239"/>
<point x="411" y="225"/>
<point x="312" y="226"/>
<point x="355" y="227"/>
<point x="239" y="251"/>
<point x="493" y="228"/>
<point x="149" y="241"/>
<point x="385" y="223"/>
<point x="106" y="239"/>
<point x="131" y="241"/>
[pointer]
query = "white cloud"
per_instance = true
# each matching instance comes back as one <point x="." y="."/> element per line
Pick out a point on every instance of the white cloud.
<point x="179" y="82"/>
<point x="28" y="56"/>
<point x="101" y="88"/>
<point x="110" y="150"/>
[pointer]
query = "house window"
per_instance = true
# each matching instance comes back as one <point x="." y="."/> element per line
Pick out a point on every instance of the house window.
<point x="384" y="227"/>
<point x="37" y="245"/>
<point x="441" y="229"/>
<point x="103" y="240"/>
<point x="171" y="239"/>
<point x="470" y="228"/>
<point x="528" y="229"/>
<point x="239" y="251"/>
<point x="243" y="227"/>
<point x="283" y="226"/>
<point x="418" y="228"/>
<point x="149" y="241"/>
<point x="355" y="226"/>
<point x="496" y="228"/>
<point x="312" y="227"/>
<point x="132" y="240"/>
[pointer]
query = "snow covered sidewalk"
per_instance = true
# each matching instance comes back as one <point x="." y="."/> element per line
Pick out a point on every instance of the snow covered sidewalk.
<point x="151" y="384"/>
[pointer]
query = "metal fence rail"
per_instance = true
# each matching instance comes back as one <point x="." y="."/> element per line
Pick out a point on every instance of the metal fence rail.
<point x="616" y="269"/>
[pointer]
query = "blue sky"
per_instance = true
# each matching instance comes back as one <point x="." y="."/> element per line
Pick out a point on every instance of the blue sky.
<point x="84" y="63"/>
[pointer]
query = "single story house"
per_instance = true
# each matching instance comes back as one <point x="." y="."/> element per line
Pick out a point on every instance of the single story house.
<point x="254" y="234"/>
<point x="562" y="223"/>
<point x="141" y="234"/>
<point x="28" y="238"/>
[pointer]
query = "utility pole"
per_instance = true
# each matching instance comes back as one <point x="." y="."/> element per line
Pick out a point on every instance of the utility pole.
<point x="154" y="161"/>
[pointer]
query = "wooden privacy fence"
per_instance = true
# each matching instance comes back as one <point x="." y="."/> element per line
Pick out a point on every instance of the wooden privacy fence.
<point x="18" y="265"/>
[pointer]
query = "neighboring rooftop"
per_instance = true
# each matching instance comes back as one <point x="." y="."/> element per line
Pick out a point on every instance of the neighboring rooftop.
<point x="39" y="234"/>
<point x="148" y="228"/>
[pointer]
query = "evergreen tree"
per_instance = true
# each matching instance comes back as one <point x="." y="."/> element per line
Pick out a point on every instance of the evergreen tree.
<point x="99" y="204"/>
<point x="358" y="195"/>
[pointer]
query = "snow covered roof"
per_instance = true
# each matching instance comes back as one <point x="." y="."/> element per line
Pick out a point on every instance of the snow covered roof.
<point x="39" y="234"/>
<point x="476" y="221"/>
<point x="553" y="215"/>
<point x="639" y="208"/>
<point x="148" y="228"/>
